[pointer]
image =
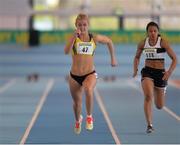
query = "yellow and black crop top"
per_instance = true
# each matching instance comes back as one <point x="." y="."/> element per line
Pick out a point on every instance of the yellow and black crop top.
<point x="84" y="48"/>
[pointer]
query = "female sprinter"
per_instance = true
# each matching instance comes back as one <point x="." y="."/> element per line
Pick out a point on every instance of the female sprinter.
<point x="154" y="76"/>
<point x="83" y="76"/>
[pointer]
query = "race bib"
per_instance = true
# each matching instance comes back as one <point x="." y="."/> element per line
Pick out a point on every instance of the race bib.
<point x="150" y="53"/>
<point x="85" y="48"/>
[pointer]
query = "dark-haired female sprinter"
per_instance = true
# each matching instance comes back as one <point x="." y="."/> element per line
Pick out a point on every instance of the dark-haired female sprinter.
<point x="154" y="75"/>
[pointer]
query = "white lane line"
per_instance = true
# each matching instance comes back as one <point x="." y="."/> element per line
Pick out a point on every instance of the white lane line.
<point x="106" y="116"/>
<point x="171" y="113"/>
<point x="165" y="108"/>
<point x="37" y="111"/>
<point x="7" y="85"/>
<point x="176" y="85"/>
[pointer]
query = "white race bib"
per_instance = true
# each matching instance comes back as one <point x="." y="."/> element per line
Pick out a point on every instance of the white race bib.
<point x="85" y="48"/>
<point x="150" y="53"/>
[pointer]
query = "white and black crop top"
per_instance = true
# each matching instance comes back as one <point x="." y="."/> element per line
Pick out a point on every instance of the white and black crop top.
<point x="155" y="52"/>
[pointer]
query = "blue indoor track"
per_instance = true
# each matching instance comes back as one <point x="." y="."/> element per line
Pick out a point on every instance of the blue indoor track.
<point x="40" y="111"/>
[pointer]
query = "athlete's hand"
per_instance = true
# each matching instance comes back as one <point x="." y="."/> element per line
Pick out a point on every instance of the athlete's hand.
<point x="134" y="74"/>
<point x="166" y="75"/>
<point x="114" y="62"/>
<point x="77" y="32"/>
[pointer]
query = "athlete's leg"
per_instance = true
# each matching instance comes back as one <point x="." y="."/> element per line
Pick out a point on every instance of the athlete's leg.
<point x="148" y="89"/>
<point x="76" y="93"/>
<point x="89" y="85"/>
<point x="159" y="97"/>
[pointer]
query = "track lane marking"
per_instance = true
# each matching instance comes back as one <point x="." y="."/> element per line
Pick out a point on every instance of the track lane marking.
<point x="171" y="113"/>
<point x="7" y="85"/>
<point x="106" y="116"/>
<point x="37" y="111"/>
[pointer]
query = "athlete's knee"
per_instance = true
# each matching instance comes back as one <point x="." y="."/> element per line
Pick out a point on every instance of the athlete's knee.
<point x="77" y="104"/>
<point x="159" y="106"/>
<point x="159" y="101"/>
<point x="88" y="90"/>
<point x="148" y="98"/>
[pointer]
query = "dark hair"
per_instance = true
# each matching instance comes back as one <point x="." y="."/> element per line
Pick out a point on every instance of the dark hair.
<point x="152" y="24"/>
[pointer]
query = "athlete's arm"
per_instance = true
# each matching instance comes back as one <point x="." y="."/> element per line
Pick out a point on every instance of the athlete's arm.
<point x="137" y="58"/>
<point x="71" y="41"/>
<point x="172" y="55"/>
<point x="106" y="40"/>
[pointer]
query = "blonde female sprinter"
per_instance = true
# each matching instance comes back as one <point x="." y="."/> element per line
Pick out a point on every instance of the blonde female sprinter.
<point x="82" y="45"/>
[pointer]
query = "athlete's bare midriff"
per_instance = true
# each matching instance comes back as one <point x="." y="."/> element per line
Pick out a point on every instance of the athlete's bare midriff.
<point x="157" y="64"/>
<point x="82" y="64"/>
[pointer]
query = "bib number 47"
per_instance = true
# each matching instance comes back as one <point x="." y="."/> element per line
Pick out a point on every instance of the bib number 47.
<point x="85" y="49"/>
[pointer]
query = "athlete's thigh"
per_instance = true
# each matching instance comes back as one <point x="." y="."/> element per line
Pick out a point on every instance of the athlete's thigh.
<point x="148" y="86"/>
<point x="75" y="88"/>
<point x="90" y="81"/>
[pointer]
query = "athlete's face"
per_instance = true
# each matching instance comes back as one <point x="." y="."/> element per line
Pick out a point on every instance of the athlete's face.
<point x="82" y="25"/>
<point x="153" y="32"/>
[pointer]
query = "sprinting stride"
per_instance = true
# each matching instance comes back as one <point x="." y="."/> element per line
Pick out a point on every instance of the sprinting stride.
<point x="154" y="76"/>
<point x="83" y="76"/>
